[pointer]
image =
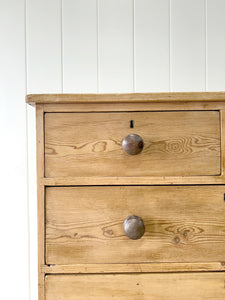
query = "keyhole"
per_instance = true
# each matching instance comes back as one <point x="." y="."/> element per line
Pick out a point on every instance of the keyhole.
<point x="131" y="124"/>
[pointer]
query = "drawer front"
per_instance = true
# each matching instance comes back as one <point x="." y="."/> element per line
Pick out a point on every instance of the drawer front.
<point x="195" y="286"/>
<point x="90" y="144"/>
<point x="182" y="224"/>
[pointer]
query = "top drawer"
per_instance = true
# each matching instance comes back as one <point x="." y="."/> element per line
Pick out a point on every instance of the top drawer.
<point x="181" y="143"/>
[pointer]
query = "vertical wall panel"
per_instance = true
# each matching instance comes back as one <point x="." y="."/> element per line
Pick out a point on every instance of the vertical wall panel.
<point x="13" y="176"/>
<point x="80" y="46"/>
<point x="216" y="45"/>
<point x="44" y="46"/>
<point x="152" y="45"/>
<point x="188" y="45"/>
<point x="116" y="45"/>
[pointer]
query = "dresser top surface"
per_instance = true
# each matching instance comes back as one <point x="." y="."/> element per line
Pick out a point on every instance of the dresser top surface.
<point x="126" y="98"/>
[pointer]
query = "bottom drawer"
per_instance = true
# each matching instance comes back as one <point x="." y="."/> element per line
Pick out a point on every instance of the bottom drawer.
<point x="136" y="286"/>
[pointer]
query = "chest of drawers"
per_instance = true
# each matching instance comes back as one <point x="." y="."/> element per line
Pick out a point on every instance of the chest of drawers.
<point x="131" y="195"/>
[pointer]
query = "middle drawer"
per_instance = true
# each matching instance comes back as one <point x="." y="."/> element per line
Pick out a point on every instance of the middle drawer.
<point x="182" y="224"/>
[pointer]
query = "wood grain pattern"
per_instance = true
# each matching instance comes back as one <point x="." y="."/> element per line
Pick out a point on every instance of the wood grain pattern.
<point x="195" y="286"/>
<point x="129" y="98"/>
<point x="40" y="198"/>
<point x="183" y="224"/>
<point x="151" y="180"/>
<point x="134" y="268"/>
<point x="81" y="227"/>
<point x="175" y="144"/>
<point x="222" y="122"/>
<point x="138" y="106"/>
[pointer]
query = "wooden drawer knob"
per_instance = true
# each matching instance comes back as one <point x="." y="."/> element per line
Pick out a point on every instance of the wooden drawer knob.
<point x="134" y="227"/>
<point x="132" y="144"/>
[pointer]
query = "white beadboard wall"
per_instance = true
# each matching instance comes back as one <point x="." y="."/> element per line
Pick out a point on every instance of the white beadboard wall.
<point x="84" y="46"/>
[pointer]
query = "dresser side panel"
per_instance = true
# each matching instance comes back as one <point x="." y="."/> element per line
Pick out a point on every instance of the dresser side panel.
<point x="40" y="198"/>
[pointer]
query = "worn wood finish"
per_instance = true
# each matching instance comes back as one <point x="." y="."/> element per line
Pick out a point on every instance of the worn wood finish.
<point x="157" y="180"/>
<point x="222" y="124"/>
<point x="81" y="214"/>
<point x="134" y="268"/>
<point x="40" y="198"/>
<point x="175" y="144"/>
<point x="138" y="106"/>
<point x="195" y="286"/>
<point x="129" y="98"/>
<point x="182" y="224"/>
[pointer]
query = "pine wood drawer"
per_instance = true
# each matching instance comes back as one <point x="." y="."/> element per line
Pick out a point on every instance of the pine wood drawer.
<point x="88" y="185"/>
<point x="176" y="143"/>
<point x="182" y="224"/>
<point x="195" y="286"/>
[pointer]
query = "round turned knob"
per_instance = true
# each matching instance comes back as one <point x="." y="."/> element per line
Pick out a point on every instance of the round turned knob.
<point x="132" y="144"/>
<point x="134" y="227"/>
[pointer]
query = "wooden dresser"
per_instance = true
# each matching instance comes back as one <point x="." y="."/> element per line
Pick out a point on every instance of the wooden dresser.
<point x="131" y="196"/>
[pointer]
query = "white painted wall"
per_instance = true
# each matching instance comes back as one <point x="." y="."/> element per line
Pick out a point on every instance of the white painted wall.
<point x="69" y="46"/>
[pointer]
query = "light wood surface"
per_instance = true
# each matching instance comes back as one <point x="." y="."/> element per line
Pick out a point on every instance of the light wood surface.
<point x="175" y="144"/>
<point x="222" y="125"/>
<point x="40" y="198"/>
<point x="195" y="286"/>
<point x="151" y="180"/>
<point x="134" y="268"/>
<point x="137" y="106"/>
<point x="86" y="198"/>
<point x="132" y="97"/>
<point x="182" y="224"/>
